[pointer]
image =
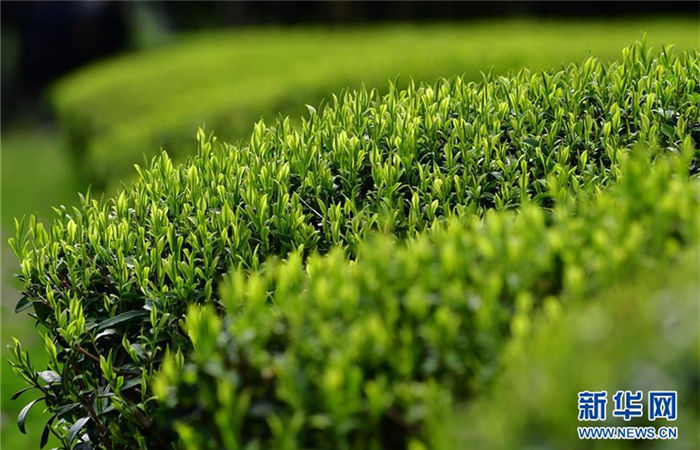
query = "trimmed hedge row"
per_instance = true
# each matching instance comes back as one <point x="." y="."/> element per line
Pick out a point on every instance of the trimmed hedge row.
<point x="117" y="110"/>
<point x="110" y="281"/>
<point x="368" y="354"/>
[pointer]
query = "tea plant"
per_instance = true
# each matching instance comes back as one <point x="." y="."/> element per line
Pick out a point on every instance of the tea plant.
<point x="368" y="354"/>
<point x="110" y="281"/>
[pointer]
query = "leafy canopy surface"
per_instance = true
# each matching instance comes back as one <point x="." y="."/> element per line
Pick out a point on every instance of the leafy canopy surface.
<point x="370" y="353"/>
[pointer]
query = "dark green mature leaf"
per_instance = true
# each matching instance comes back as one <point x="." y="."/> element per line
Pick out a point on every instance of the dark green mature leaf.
<point x="22" y="304"/>
<point x="131" y="383"/>
<point x="123" y="317"/>
<point x="76" y="427"/>
<point x="66" y="408"/>
<point x="531" y="142"/>
<point x="45" y="432"/>
<point x="667" y="130"/>
<point x="41" y="310"/>
<point x="23" y="414"/>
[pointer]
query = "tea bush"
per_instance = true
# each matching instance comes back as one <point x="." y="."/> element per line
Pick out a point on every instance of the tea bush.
<point x="368" y="354"/>
<point x="110" y="281"/>
<point x="117" y="110"/>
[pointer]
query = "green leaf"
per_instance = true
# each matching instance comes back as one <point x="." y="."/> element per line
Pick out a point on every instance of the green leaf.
<point x="75" y="428"/>
<point x="531" y="142"/>
<point x="667" y="130"/>
<point x="45" y="432"/>
<point x="120" y="318"/>
<point x="66" y="408"/>
<point x="131" y="383"/>
<point x="23" y="414"/>
<point x="23" y="304"/>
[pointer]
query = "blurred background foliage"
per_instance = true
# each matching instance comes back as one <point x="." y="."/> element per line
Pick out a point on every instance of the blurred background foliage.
<point x="89" y="88"/>
<point x="642" y="334"/>
<point x="119" y="110"/>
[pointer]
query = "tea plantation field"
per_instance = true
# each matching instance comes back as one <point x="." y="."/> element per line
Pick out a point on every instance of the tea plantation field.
<point x="442" y="200"/>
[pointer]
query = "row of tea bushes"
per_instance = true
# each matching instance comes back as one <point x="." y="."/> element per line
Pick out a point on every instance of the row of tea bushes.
<point x="368" y="354"/>
<point x="111" y="279"/>
<point x="117" y="110"/>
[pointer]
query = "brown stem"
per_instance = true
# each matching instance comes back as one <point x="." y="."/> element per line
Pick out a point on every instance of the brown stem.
<point x="78" y="348"/>
<point x="91" y="411"/>
<point x="144" y="421"/>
